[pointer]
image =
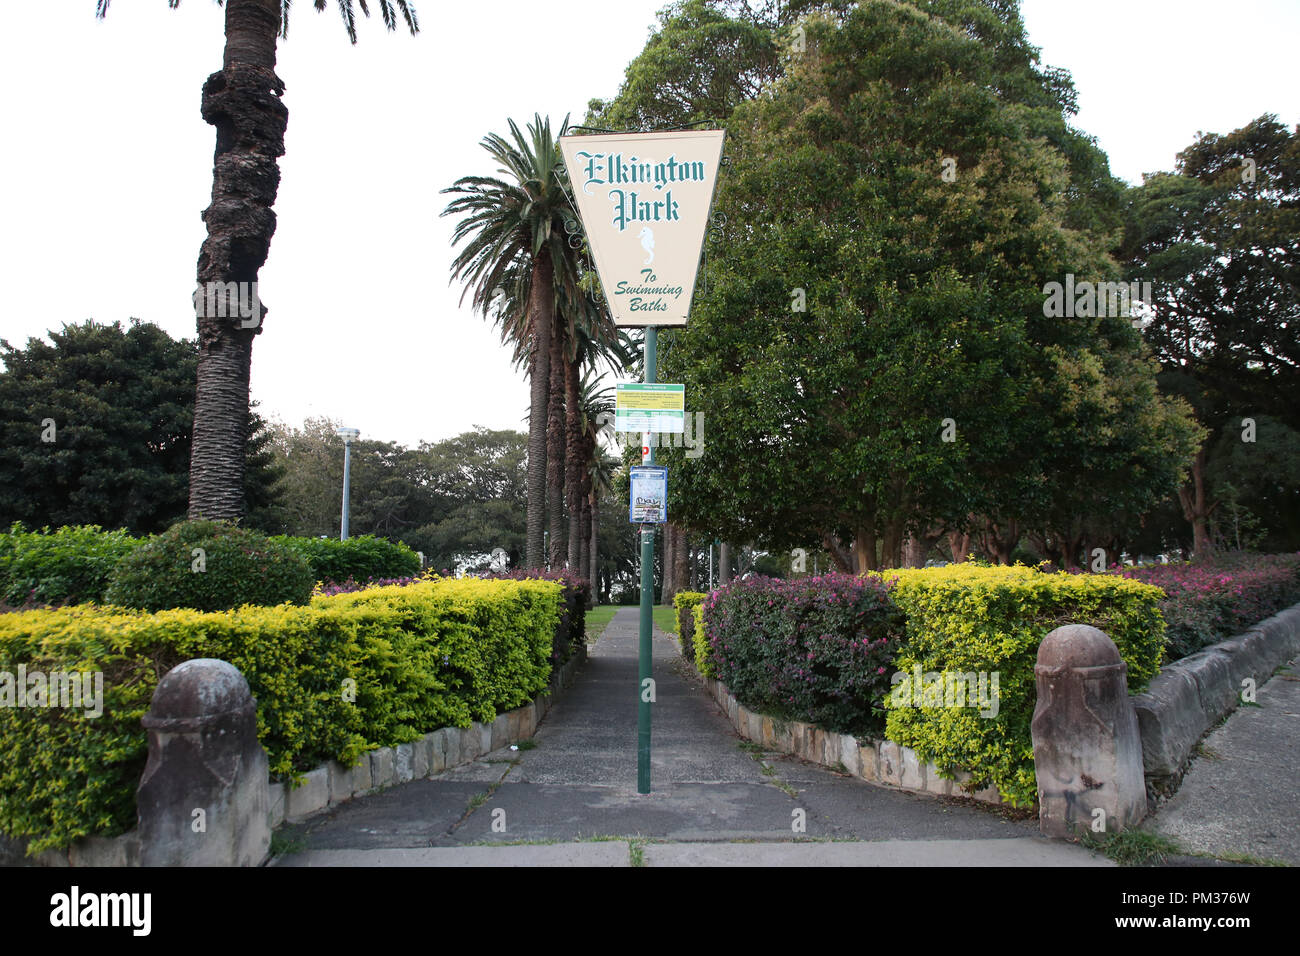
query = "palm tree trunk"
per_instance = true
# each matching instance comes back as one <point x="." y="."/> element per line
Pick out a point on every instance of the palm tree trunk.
<point x="575" y="462"/>
<point x="595" y="548"/>
<point x="584" y="532"/>
<point x="669" y="586"/>
<point x="242" y="100"/>
<point x="555" y="451"/>
<point x="584" y="499"/>
<point x="724" y="563"/>
<point x="541" y="308"/>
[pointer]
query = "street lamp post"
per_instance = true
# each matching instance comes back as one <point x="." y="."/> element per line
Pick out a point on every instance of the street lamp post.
<point x="347" y="434"/>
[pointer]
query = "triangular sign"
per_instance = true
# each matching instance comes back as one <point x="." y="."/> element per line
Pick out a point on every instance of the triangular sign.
<point x="644" y="201"/>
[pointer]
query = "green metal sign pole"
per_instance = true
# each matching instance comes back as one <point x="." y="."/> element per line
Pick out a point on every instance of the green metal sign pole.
<point x="644" y="668"/>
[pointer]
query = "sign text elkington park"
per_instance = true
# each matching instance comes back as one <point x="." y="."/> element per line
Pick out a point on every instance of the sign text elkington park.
<point x="644" y="202"/>
<point x="644" y="199"/>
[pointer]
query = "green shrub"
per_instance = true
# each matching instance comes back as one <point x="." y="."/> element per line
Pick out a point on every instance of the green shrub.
<point x="811" y="649"/>
<point x="571" y="631"/>
<point x="422" y="657"/>
<point x="364" y="558"/>
<point x="209" y="566"/>
<point x="685" y="603"/>
<point x="700" y="643"/>
<point x="69" y="566"/>
<point x="990" y="620"/>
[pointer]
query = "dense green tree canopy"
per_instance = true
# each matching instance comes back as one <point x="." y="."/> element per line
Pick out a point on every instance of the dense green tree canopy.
<point x="96" y="428"/>
<point x="1219" y="239"/>
<point x="872" y="356"/>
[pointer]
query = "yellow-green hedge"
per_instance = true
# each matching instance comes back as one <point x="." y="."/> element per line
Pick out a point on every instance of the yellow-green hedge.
<point x="423" y="656"/>
<point x="968" y="619"/>
<point x="700" y="642"/>
<point x="685" y="603"/>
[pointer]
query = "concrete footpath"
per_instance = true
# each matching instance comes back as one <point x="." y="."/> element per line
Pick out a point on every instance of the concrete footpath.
<point x="1240" y="798"/>
<point x="715" y="800"/>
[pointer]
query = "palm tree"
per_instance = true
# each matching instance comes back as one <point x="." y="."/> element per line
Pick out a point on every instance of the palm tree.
<point x="515" y="236"/>
<point x="594" y="338"/>
<point x="242" y="100"/>
<point x="597" y="473"/>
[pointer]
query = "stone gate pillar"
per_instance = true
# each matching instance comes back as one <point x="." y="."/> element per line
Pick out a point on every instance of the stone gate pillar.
<point x="203" y="798"/>
<point x="1087" y="753"/>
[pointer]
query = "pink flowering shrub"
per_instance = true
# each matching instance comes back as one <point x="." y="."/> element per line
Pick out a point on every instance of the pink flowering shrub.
<point x="1208" y="603"/>
<point x="331" y="588"/>
<point x="814" y="649"/>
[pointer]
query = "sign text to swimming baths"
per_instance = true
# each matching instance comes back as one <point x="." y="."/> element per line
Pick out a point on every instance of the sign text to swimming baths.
<point x="644" y="201"/>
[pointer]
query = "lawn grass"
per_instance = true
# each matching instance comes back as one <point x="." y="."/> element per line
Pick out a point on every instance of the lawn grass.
<point x="597" y="619"/>
<point x="666" y="618"/>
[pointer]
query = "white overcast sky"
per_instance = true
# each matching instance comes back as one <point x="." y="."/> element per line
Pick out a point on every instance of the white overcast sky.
<point x="107" y="166"/>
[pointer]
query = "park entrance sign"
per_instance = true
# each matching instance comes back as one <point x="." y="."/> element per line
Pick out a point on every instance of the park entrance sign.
<point x="644" y="201"/>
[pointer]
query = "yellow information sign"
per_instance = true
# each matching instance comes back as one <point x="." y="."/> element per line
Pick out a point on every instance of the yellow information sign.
<point x="650" y="407"/>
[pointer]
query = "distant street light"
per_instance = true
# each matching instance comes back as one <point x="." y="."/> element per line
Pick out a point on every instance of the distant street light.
<point x="347" y="434"/>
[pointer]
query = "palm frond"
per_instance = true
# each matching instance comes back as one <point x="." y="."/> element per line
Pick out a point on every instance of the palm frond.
<point x="101" y="7"/>
<point x="386" y="9"/>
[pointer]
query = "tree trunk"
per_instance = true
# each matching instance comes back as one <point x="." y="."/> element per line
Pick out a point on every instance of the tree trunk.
<point x="575" y="462"/>
<point x="892" y="547"/>
<point x="1001" y="543"/>
<point x="583" y="569"/>
<point x="1070" y="545"/>
<point x="681" y="560"/>
<point x="844" y="558"/>
<point x="724" y="564"/>
<point x="584" y="506"/>
<point x="1197" y="509"/>
<point x="669" y="565"/>
<point x="242" y="100"/>
<point x="541" y="306"/>
<point x="917" y="546"/>
<point x="555" y="451"/>
<point x="1041" y="542"/>
<point x="864" y="544"/>
<point x="595" y="548"/>
<point x="959" y="544"/>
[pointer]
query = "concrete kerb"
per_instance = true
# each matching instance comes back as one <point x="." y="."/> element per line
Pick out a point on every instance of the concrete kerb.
<point x="1180" y="705"/>
<point x="446" y="747"/>
<point x="1191" y="695"/>
<point x="880" y="762"/>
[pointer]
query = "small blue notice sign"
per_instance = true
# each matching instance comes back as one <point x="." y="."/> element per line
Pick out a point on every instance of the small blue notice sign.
<point x="649" y="504"/>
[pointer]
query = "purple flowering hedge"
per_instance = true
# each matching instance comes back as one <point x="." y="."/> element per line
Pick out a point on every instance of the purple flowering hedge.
<point x="1206" y="604"/>
<point x="813" y="649"/>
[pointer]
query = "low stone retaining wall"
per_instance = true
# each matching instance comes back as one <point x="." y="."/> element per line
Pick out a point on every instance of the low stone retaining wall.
<point x="331" y="784"/>
<point x="1188" y="697"/>
<point x="875" y="761"/>
<point x="1180" y="705"/>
